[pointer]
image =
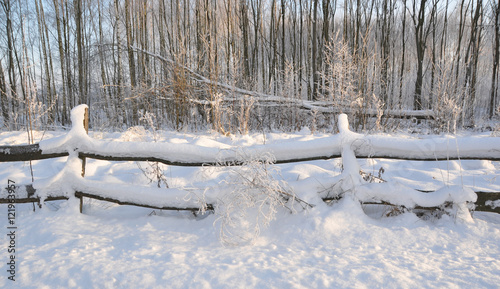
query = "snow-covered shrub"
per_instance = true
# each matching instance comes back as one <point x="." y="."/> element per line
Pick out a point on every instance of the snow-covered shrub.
<point x="345" y="84"/>
<point x="446" y="106"/>
<point x="496" y="131"/>
<point x="252" y="195"/>
<point x="136" y="133"/>
<point x="340" y="77"/>
<point x="243" y="117"/>
<point x="496" y="128"/>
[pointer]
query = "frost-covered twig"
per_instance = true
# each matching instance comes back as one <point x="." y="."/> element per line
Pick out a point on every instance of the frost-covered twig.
<point x="252" y="195"/>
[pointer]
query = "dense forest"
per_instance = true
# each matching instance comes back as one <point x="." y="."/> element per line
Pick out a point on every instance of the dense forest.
<point x="240" y="65"/>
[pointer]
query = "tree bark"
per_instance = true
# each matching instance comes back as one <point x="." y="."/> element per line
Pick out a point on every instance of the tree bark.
<point x="130" y="51"/>
<point x="496" y="53"/>
<point x="403" y="53"/>
<point x="46" y="64"/>
<point x="6" y="5"/>
<point x="60" y="45"/>
<point x="472" y="56"/>
<point x="80" y="47"/>
<point x="245" y="26"/>
<point x="4" y="98"/>
<point x="119" y="107"/>
<point x="421" y="34"/>
<point x="314" y="52"/>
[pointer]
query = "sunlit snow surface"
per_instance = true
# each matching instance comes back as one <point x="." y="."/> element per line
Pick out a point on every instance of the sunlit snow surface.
<point x="337" y="246"/>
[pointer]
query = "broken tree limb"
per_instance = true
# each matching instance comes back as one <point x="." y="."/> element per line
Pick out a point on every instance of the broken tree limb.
<point x="319" y="106"/>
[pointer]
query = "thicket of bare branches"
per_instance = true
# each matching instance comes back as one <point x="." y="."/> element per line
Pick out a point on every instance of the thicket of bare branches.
<point x="254" y="194"/>
<point x="240" y="65"/>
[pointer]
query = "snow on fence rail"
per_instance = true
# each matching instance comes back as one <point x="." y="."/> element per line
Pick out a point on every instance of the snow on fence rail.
<point x="77" y="145"/>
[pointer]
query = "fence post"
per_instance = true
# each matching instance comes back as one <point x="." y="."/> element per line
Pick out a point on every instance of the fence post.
<point x="84" y="159"/>
<point x="349" y="161"/>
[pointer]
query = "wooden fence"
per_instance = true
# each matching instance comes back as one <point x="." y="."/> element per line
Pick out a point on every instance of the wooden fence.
<point x="78" y="146"/>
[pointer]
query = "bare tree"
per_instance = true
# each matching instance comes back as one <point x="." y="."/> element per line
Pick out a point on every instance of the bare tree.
<point x="270" y="48"/>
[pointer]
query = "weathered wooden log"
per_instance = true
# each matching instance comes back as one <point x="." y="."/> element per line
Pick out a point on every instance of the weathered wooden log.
<point x="19" y="153"/>
<point x="480" y="204"/>
<point x="195" y="164"/>
<point x="483" y="198"/>
<point x="144" y="205"/>
<point x="27" y="194"/>
<point x="33" y="152"/>
<point x="364" y="155"/>
<point x="32" y="200"/>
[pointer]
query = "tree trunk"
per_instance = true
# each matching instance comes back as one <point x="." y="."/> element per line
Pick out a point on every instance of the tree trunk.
<point x="273" y="50"/>
<point x="79" y="40"/>
<point x="472" y="56"/>
<point x="4" y="98"/>
<point x="403" y="53"/>
<point x="385" y="51"/>
<point x="421" y="34"/>
<point x="314" y="54"/>
<point x="128" y="31"/>
<point x="43" y="40"/>
<point x="496" y="53"/>
<point x="420" y="42"/>
<point x="10" y="48"/>
<point x="119" y="106"/>
<point x="104" y="79"/>
<point x="64" y="116"/>
<point x="325" y="37"/>
<point x="283" y="52"/>
<point x="461" y="27"/>
<point x="245" y="25"/>
<point x="67" y="59"/>
<point x="301" y="52"/>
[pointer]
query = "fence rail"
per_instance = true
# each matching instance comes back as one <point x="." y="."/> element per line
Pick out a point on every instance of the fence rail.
<point x="34" y="152"/>
<point x="21" y="153"/>
<point x="346" y="144"/>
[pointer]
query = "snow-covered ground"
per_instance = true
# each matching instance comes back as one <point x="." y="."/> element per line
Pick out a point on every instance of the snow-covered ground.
<point x="329" y="246"/>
